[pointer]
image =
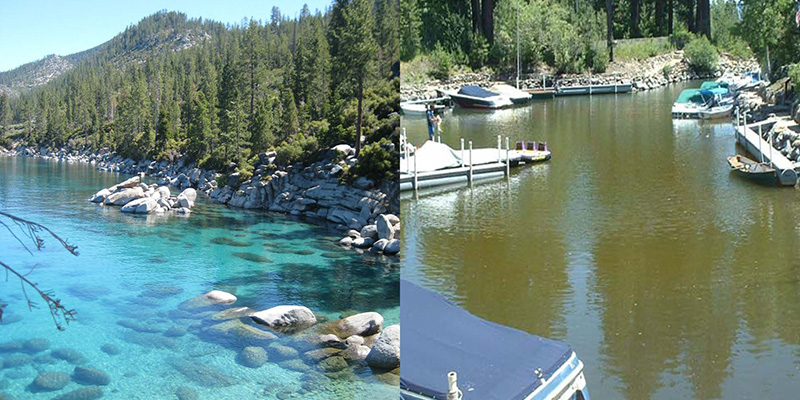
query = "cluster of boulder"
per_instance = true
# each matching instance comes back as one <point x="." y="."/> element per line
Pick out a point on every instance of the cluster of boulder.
<point x="314" y="191"/>
<point x="136" y="197"/>
<point x="34" y="352"/>
<point x="179" y="173"/>
<point x="295" y="337"/>
<point x="379" y="237"/>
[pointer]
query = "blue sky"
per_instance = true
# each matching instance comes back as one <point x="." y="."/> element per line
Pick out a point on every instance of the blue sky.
<point x="30" y="30"/>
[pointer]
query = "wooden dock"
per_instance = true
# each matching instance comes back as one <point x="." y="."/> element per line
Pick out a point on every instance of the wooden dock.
<point x="763" y="150"/>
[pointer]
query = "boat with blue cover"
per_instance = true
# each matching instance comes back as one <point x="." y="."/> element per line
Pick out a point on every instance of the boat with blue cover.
<point x="702" y="104"/>
<point x="449" y="353"/>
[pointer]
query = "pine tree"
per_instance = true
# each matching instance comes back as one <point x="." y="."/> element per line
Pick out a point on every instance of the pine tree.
<point x="355" y="53"/>
<point x="4" y="112"/>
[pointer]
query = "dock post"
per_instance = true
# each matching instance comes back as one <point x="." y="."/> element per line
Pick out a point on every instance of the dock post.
<point x="499" y="149"/>
<point x="462" y="151"/>
<point x="416" y="184"/>
<point x="508" y="160"/>
<point x="760" y="138"/>
<point x="470" y="162"/>
<point x="405" y="149"/>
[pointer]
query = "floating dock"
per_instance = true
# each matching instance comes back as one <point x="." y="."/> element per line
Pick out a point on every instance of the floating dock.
<point x="436" y="164"/>
<point x="763" y="150"/>
<point x="593" y="89"/>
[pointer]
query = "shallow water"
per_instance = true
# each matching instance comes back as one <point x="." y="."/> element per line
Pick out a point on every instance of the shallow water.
<point x="670" y="277"/>
<point x="134" y="271"/>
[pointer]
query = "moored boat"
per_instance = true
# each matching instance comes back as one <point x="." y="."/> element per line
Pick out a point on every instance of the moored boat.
<point x="762" y="173"/>
<point x="471" y="96"/>
<point x="419" y="108"/>
<point x="449" y="353"/>
<point x="533" y="151"/>
<point x="701" y="104"/>
<point x="517" y="96"/>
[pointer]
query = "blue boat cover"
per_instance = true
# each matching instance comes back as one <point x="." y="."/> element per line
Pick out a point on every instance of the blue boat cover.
<point x="476" y="91"/>
<point x="493" y="361"/>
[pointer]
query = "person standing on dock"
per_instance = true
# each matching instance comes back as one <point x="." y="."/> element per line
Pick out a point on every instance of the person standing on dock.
<point x="433" y="121"/>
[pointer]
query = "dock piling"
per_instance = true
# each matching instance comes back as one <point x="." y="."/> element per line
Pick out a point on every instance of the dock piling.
<point x="462" y="152"/>
<point x="416" y="184"/>
<point x="499" y="149"/>
<point x="470" y="162"/>
<point x="508" y="159"/>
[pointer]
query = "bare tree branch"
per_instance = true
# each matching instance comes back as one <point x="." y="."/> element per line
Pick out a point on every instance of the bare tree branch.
<point x="31" y="230"/>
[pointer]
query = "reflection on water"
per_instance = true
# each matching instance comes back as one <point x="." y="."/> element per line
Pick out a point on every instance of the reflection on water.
<point x="669" y="276"/>
<point x="133" y="283"/>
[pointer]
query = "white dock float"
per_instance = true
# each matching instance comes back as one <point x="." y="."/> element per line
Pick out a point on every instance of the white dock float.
<point x="762" y="150"/>
<point x="436" y="164"/>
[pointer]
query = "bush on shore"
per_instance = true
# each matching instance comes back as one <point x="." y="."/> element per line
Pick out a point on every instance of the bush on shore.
<point x="701" y="54"/>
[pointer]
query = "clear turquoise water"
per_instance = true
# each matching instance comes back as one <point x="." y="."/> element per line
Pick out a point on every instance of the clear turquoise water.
<point x="141" y="268"/>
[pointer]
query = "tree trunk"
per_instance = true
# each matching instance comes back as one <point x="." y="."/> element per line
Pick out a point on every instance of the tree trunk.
<point x="360" y="114"/>
<point x="610" y="29"/>
<point x="703" y="18"/>
<point x="477" y="27"/>
<point x="670" y="13"/>
<point x="487" y="8"/>
<point x="636" y="10"/>
<point x="661" y="14"/>
<point x="690" y="20"/>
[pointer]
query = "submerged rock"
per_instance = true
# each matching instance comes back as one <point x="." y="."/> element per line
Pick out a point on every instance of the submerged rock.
<point x="364" y="324"/>
<point x="186" y="393"/>
<point x="386" y="351"/>
<point x="238" y="330"/>
<point x="10" y="347"/>
<point x="110" y="349"/>
<point x="333" y="364"/>
<point x="201" y="374"/>
<point x="89" y="376"/>
<point x="51" y="381"/>
<point x="175" y="331"/>
<point x="87" y="393"/>
<point x="140" y="327"/>
<point x="68" y="355"/>
<point x="150" y="340"/>
<point x="286" y="317"/>
<point x="252" y="257"/>
<point x="252" y="357"/>
<point x="36" y="345"/>
<point x="17" y="360"/>
<point x="233" y="313"/>
<point x="278" y="351"/>
<point x="294" y="365"/>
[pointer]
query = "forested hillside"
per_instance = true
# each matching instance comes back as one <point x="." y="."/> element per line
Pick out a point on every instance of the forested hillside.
<point x="221" y="94"/>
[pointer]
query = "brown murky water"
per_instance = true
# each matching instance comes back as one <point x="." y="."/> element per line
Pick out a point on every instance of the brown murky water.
<point x="670" y="277"/>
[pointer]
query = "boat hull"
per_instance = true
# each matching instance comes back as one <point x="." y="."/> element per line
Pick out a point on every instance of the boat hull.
<point x="757" y="172"/>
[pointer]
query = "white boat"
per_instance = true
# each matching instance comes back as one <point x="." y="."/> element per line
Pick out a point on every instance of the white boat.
<point x="701" y="104"/>
<point x="419" y="108"/>
<point x="745" y="81"/>
<point x="477" y="97"/>
<point x="517" y="96"/>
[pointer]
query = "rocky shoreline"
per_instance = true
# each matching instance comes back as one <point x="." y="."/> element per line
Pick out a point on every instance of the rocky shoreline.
<point x="313" y="191"/>
<point x="653" y="73"/>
